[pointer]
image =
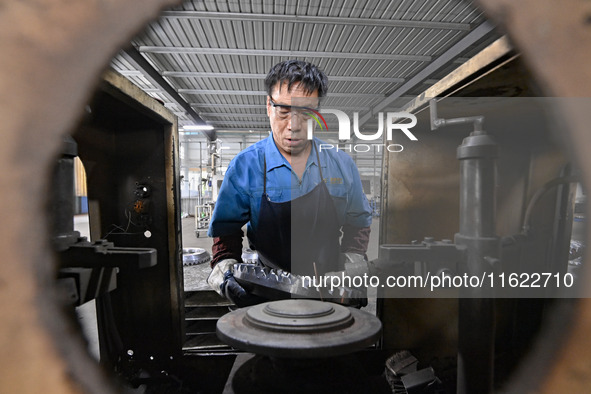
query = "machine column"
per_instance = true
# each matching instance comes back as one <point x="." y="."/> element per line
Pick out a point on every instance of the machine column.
<point x="476" y="326"/>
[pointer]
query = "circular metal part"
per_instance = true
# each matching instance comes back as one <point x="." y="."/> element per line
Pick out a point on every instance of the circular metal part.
<point x="287" y="316"/>
<point x="194" y="256"/>
<point x="299" y="329"/>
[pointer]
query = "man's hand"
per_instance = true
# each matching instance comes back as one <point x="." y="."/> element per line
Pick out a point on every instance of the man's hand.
<point x="222" y="280"/>
<point x="354" y="301"/>
<point x="354" y="264"/>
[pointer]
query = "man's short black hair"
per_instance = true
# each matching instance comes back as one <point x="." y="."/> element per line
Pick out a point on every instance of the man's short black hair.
<point x="309" y="76"/>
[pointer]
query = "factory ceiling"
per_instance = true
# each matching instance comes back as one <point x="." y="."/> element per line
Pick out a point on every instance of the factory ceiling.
<point x="206" y="60"/>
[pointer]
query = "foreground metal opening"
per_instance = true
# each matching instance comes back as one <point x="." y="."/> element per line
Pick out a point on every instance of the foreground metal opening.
<point x="38" y="341"/>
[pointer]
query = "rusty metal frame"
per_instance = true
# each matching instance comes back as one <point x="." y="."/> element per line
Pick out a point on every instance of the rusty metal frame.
<point x="554" y="39"/>
<point x="53" y="55"/>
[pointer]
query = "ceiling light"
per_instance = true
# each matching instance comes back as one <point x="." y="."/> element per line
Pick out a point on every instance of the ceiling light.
<point x="197" y="127"/>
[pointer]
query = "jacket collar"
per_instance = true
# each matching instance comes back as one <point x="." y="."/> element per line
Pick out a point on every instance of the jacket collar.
<point x="275" y="159"/>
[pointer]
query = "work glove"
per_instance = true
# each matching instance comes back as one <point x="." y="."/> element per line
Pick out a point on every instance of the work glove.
<point x="221" y="279"/>
<point x="354" y="264"/>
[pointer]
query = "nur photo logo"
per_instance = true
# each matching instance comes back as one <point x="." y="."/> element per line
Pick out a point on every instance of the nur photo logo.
<point x="394" y="122"/>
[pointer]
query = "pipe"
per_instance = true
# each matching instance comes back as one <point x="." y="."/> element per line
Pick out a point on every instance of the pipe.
<point x="539" y="193"/>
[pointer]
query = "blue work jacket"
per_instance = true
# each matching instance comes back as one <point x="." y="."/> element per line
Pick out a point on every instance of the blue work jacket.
<point x="239" y="197"/>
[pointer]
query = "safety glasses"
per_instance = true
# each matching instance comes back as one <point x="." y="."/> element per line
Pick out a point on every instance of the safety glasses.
<point x="284" y="111"/>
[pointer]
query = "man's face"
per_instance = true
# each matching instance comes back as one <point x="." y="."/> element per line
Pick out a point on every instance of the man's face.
<point x="290" y="126"/>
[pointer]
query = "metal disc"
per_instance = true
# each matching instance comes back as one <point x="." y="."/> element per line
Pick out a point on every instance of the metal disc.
<point x="290" y="317"/>
<point x="194" y="256"/>
<point x="299" y="329"/>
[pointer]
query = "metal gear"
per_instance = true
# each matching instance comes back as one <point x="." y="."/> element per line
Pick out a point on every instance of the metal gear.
<point x="194" y="256"/>
<point x="278" y="284"/>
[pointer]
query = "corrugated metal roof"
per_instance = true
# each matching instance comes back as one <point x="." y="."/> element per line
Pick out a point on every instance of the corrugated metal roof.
<point x="215" y="53"/>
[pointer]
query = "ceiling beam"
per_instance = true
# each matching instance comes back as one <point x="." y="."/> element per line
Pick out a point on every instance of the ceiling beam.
<point x="280" y="53"/>
<point x="231" y="115"/>
<point x="239" y="123"/>
<point x="197" y="74"/>
<point x="244" y="130"/>
<point x="432" y="67"/>
<point x="136" y="59"/>
<point x="243" y="16"/>
<point x="193" y="74"/>
<point x="223" y="105"/>
<point x="262" y="106"/>
<point x="130" y="73"/>
<point x="264" y="93"/>
<point x="237" y="131"/>
<point x="490" y="55"/>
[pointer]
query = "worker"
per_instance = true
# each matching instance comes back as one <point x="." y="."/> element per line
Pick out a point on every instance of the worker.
<point x="296" y="199"/>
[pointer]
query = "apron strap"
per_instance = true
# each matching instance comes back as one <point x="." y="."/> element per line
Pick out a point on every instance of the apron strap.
<point x="318" y="158"/>
<point x="264" y="174"/>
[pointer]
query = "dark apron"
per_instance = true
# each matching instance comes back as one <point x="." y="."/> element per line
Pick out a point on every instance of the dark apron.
<point x="293" y="235"/>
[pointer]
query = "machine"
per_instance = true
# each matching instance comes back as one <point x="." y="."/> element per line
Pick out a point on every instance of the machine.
<point x="506" y="200"/>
